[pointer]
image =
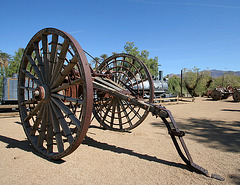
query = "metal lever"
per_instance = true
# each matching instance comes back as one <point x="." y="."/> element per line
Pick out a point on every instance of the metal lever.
<point x="175" y="132"/>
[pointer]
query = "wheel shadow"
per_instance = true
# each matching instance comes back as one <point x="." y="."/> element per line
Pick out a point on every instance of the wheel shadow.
<point x="231" y="110"/>
<point x="223" y="100"/>
<point x="104" y="146"/>
<point x="235" y="177"/>
<point x="25" y="146"/>
<point x="217" y="134"/>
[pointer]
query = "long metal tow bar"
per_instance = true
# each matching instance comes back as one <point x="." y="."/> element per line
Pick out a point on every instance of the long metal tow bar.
<point x="111" y="88"/>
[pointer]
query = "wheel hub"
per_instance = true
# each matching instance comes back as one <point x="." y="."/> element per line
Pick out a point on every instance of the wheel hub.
<point x="42" y="93"/>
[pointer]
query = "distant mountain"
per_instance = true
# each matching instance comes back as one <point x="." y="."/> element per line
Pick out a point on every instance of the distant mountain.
<point x="217" y="73"/>
<point x="214" y="73"/>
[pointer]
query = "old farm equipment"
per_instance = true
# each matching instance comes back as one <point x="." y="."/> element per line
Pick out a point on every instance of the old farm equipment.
<point x="236" y="94"/>
<point x="223" y="93"/>
<point x="62" y="90"/>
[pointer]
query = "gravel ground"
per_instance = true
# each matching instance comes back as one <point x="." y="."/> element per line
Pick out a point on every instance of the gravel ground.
<point x="144" y="156"/>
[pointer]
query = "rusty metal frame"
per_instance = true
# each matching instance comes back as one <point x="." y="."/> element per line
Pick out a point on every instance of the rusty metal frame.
<point x="51" y="113"/>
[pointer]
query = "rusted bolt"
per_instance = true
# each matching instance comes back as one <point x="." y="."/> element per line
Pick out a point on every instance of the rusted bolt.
<point x="36" y="93"/>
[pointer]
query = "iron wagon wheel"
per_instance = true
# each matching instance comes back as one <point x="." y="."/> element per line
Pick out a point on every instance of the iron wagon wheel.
<point x="131" y="74"/>
<point x="55" y="93"/>
<point x="216" y="95"/>
<point x="236" y="96"/>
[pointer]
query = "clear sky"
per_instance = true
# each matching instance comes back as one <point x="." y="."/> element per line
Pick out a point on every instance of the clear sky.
<point x="182" y="33"/>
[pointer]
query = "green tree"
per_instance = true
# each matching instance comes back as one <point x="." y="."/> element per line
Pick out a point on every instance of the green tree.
<point x="9" y="65"/>
<point x="152" y="64"/>
<point x="174" y="85"/>
<point x="104" y="56"/>
<point x="204" y="83"/>
<point x="197" y="82"/>
<point x="15" y="63"/>
<point x="96" y="61"/>
<point x="131" y="49"/>
<point x="5" y="59"/>
<point x="227" y="79"/>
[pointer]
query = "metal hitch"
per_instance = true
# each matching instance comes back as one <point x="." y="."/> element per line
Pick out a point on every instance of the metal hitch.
<point x="175" y="133"/>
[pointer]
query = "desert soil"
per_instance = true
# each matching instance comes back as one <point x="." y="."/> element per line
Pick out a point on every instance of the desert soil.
<point x="144" y="156"/>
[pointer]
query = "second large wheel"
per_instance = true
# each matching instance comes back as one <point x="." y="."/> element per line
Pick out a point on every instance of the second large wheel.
<point x="131" y="74"/>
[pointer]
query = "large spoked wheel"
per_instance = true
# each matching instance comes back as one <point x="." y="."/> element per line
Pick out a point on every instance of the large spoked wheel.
<point x="130" y="74"/>
<point x="55" y="93"/>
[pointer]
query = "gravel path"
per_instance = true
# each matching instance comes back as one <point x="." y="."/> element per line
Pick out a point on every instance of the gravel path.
<point x="144" y="156"/>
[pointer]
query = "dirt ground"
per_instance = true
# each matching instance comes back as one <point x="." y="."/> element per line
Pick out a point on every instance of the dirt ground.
<point x="144" y="156"/>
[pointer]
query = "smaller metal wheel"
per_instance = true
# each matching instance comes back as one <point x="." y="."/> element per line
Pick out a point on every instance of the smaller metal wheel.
<point x="55" y="93"/>
<point x="133" y="78"/>
<point x="216" y="95"/>
<point x="236" y="96"/>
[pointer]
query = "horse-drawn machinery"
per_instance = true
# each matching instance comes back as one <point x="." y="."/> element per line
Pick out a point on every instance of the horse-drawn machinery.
<point x="58" y="91"/>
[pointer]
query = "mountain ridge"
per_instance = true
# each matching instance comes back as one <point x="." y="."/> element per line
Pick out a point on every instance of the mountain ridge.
<point x="215" y="73"/>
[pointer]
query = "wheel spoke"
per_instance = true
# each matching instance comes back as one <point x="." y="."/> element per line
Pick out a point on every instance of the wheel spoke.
<point x="39" y="57"/>
<point x="121" y="64"/>
<point x="63" y="97"/>
<point x="45" y="56"/>
<point x="120" y="77"/>
<point x="134" y="111"/>
<point x="64" y="73"/>
<point x="112" y="84"/>
<point x="115" y="70"/>
<point x="57" y="132"/>
<point x="103" y="104"/>
<point x="125" y="112"/>
<point x="34" y="111"/>
<point x="67" y="111"/>
<point x="37" y="122"/>
<point x="66" y="86"/>
<point x="42" y="131"/>
<point x="49" y="131"/>
<point x="27" y="88"/>
<point x="119" y="115"/>
<point x="35" y="80"/>
<point x="107" y="111"/>
<point x="53" y="55"/>
<point x="61" y="59"/>
<point x="30" y="101"/>
<point x="35" y="68"/>
<point x="62" y="121"/>
<point x="113" y="111"/>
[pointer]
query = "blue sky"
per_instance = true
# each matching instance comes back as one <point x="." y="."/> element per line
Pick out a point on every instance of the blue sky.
<point x="181" y="33"/>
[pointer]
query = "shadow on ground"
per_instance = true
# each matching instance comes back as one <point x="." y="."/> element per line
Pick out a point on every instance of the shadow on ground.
<point x="231" y="110"/>
<point x="13" y="143"/>
<point x="24" y="145"/>
<point x="229" y="100"/>
<point x="218" y="134"/>
<point x="104" y="146"/>
<point x="235" y="178"/>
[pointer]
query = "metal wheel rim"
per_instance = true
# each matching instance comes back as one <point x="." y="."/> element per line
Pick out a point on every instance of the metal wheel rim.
<point x="119" y="118"/>
<point x="54" y="125"/>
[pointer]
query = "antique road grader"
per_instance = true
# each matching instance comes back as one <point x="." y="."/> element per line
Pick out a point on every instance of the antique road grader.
<point x="58" y="91"/>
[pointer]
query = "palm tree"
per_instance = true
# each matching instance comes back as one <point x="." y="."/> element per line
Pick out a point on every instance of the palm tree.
<point x="4" y="59"/>
<point x="104" y="56"/>
<point x="96" y="60"/>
